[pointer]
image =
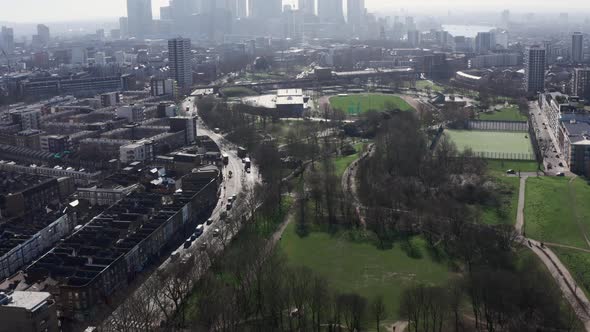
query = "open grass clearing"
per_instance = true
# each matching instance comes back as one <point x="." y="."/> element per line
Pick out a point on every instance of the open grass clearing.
<point x="557" y="211"/>
<point x="510" y="113"/>
<point x="353" y="266"/>
<point x="505" y="212"/>
<point x="501" y="166"/>
<point x="361" y="103"/>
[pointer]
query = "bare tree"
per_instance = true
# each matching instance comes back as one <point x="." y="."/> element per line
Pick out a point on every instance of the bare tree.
<point x="378" y="310"/>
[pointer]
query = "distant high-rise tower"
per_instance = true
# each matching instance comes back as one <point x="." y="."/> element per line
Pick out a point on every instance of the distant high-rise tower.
<point x="331" y="11"/>
<point x="356" y="14"/>
<point x="43" y="33"/>
<point x="179" y="58"/>
<point x="414" y="37"/>
<point x="241" y="8"/>
<point x="577" y="47"/>
<point x="139" y="15"/>
<point x="534" y="69"/>
<point x="307" y="7"/>
<point x="581" y="83"/>
<point x="7" y="39"/>
<point x="265" y="9"/>
<point x="484" y="42"/>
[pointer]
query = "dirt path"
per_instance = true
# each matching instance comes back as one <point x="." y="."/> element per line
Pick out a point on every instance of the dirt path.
<point x="521" y="203"/>
<point x="565" y="246"/>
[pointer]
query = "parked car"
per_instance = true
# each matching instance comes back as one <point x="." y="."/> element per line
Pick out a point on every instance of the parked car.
<point x="560" y="174"/>
<point x="216" y="232"/>
<point x="187" y="243"/>
<point x="510" y="171"/>
<point x="209" y="221"/>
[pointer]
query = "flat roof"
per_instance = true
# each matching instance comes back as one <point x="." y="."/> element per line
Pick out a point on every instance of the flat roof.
<point x="28" y="300"/>
<point x="290" y="100"/>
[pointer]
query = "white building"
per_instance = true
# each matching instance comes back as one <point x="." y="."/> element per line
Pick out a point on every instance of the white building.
<point x="179" y="59"/>
<point x="133" y="113"/>
<point x="138" y="151"/>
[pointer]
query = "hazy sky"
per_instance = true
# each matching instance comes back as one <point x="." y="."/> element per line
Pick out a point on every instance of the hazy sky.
<point x="58" y="10"/>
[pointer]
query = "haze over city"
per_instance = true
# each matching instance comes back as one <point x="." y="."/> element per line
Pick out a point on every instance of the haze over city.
<point x="310" y="165"/>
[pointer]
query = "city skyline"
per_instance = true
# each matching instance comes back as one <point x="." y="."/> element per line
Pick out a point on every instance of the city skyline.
<point x="31" y="11"/>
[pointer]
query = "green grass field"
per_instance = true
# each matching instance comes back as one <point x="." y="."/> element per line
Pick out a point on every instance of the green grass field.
<point x="341" y="163"/>
<point x="238" y="91"/>
<point x="510" y="113"/>
<point x="557" y="211"/>
<point x="424" y="84"/>
<point x="505" y="213"/>
<point x="501" y="166"/>
<point x="361" y="267"/>
<point x="492" y="141"/>
<point x="578" y="263"/>
<point x="365" y="102"/>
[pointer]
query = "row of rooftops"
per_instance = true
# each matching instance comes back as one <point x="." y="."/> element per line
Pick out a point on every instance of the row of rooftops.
<point x="19" y="230"/>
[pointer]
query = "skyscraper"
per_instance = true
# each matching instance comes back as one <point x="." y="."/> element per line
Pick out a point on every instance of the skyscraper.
<point x="581" y="83"/>
<point x="179" y="59"/>
<point x="577" y="47"/>
<point x="265" y="9"/>
<point x="484" y="42"/>
<point x="7" y="39"/>
<point x="139" y="15"/>
<point x="414" y="37"/>
<point x="331" y="11"/>
<point x="307" y="7"/>
<point x="356" y="14"/>
<point x="43" y="33"/>
<point x="534" y="69"/>
<point x="241" y="8"/>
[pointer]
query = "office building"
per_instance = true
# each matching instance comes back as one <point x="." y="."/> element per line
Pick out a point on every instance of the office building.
<point x="534" y="69"/>
<point x="241" y="8"/>
<point x="43" y="34"/>
<point x="79" y="56"/>
<point x="139" y="16"/>
<point x="265" y="9"/>
<point x="356" y="14"/>
<point x="28" y="312"/>
<point x="484" y="42"/>
<point x="7" y="39"/>
<point x="331" y="11"/>
<point x="577" y="47"/>
<point x="307" y="7"/>
<point x="581" y="83"/>
<point x="179" y="58"/>
<point x="414" y="37"/>
<point x="124" y="26"/>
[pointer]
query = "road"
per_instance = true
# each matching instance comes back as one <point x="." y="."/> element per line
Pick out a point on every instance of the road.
<point x="209" y="243"/>
<point x="552" y="155"/>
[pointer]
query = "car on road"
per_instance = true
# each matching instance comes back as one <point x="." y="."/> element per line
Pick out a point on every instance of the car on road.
<point x="216" y="232"/>
<point x="209" y="221"/>
<point x="216" y="130"/>
<point x="203" y="246"/>
<point x="200" y="229"/>
<point x="228" y="206"/>
<point x="187" y="243"/>
<point x="561" y="174"/>
<point x="511" y="171"/>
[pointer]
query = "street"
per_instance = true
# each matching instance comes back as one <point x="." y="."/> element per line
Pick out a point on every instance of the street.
<point x="553" y="158"/>
<point x="209" y="244"/>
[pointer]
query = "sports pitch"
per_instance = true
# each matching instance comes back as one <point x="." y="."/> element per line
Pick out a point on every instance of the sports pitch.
<point x="361" y="103"/>
<point x="491" y="141"/>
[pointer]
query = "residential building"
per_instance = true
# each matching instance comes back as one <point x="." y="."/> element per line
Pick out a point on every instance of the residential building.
<point x="7" y="39"/>
<point x="414" y="37"/>
<point x="188" y="124"/>
<point x="496" y="60"/>
<point x="581" y="83"/>
<point x="356" y="15"/>
<point x="137" y="151"/>
<point x="28" y="312"/>
<point x="133" y="113"/>
<point x="534" y="69"/>
<point x="484" y="42"/>
<point x="179" y="58"/>
<point x="110" y="99"/>
<point x="575" y="144"/>
<point x="307" y="6"/>
<point x="163" y="87"/>
<point x="56" y="143"/>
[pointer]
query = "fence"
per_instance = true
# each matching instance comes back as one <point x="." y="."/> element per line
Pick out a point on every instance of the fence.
<point x="499" y="125"/>
<point x="505" y="155"/>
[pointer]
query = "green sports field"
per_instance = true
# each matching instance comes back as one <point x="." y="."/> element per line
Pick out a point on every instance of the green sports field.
<point x="361" y="103"/>
<point x="493" y="144"/>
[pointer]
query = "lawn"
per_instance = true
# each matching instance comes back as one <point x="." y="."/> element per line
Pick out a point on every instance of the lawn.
<point x="361" y="103"/>
<point x="493" y="144"/>
<point x="505" y="213"/>
<point x="238" y="91"/>
<point x="578" y="263"/>
<point x="510" y="113"/>
<point x="424" y="84"/>
<point x="557" y="211"/>
<point x="341" y="163"/>
<point x="501" y="166"/>
<point x="361" y="267"/>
